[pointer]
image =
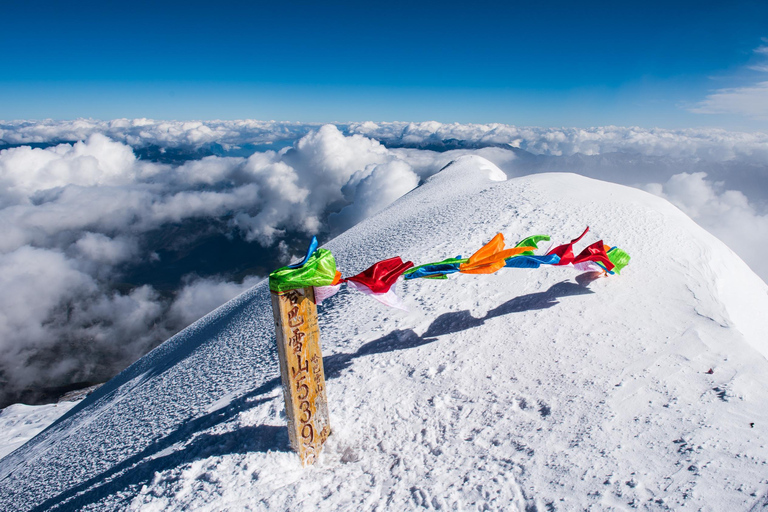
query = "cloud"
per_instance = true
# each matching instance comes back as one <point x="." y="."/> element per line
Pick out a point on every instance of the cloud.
<point x="87" y="229"/>
<point x="727" y="214"/>
<point x="99" y="161"/>
<point x="749" y="101"/>
<point x="301" y="184"/>
<point x="146" y="132"/>
<point x="59" y="322"/>
<point x="53" y="195"/>
<point x="100" y="248"/>
<point x="99" y="186"/>
<point x="202" y="295"/>
<point x="708" y="144"/>
<point x="374" y="189"/>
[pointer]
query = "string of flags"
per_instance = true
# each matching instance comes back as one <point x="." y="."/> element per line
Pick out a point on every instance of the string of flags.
<point x="318" y="268"/>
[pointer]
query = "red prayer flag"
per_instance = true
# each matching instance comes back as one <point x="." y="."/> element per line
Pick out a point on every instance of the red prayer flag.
<point x="380" y="277"/>
<point x="565" y="251"/>
<point x="595" y="252"/>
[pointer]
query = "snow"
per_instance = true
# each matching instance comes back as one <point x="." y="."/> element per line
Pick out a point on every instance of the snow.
<point x="20" y="422"/>
<point x="544" y="389"/>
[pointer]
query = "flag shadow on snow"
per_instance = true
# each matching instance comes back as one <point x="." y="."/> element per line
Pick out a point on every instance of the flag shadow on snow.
<point x="457" y="321"/>
<point x="395" y="340"/>
<point x="448" y="323"/>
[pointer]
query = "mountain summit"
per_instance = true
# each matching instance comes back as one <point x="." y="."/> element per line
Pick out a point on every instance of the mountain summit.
<point x="540" y="389"/>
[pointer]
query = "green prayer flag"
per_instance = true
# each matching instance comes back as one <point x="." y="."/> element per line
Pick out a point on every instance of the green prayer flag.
<point x="319" y="270"/>
<point x="619" y="258"/>
<point x="531" y="241"/>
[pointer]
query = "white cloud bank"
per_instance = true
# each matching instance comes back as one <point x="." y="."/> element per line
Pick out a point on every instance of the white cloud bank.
<point x="705" y="143"/>
<point x="75" y="218"/>
<point x="143" y="132"/>
<point x="727" y="214"/>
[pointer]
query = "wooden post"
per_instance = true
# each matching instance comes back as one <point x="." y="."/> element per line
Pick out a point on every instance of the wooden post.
<point x="301" y="370"/>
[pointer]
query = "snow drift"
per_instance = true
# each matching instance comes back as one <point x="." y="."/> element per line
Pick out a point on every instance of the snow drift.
<point x="528" y="389"/>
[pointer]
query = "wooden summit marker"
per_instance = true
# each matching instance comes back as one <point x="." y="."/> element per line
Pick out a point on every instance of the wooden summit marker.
<point x="301" y="370"/>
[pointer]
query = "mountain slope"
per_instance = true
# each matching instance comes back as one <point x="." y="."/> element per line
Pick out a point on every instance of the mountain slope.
<point x="535" y="389"/>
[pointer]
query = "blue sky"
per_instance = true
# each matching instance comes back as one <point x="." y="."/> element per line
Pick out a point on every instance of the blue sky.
<point x="671" y="65"/>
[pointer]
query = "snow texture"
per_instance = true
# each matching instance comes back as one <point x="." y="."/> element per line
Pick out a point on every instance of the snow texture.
<point x="19" y="423"/>
<point x="543" y="389"/>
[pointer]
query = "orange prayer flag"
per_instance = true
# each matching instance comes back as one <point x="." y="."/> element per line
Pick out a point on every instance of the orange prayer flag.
<point x="491" y="257"/>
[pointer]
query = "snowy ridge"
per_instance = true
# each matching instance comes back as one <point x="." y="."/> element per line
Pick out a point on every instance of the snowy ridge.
<point x="19" y="422"/>
<point x="527" y="389"/>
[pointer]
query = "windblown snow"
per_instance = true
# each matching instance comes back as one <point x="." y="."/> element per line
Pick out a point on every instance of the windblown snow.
<point x="20" y="422"/>
<point x="544" y="389"/>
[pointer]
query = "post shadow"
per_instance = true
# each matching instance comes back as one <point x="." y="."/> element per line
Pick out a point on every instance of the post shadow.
<point x="261" y="438"/>
<point x="134" y="468"/>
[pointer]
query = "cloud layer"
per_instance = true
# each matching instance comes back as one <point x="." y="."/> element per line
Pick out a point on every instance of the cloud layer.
<point x="705" y="144"/>
<point x="708" y="144"/>
<point x="104" y="254"/>
<point x="727" y="214"/>
<point x="84" y="286"/>
<point x="144" y="132"/>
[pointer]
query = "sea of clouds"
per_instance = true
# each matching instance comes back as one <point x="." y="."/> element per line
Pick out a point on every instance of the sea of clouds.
<point x="104" y="253"/>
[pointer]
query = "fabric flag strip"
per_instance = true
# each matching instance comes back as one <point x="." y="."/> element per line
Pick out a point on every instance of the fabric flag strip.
<point x="492" y="263"/>
<point x="533" y="261"/>
<point x="378" y="280"/>
<point x="438" y="270"/>
<point x="595" y="252"/>
<point x="380" y="276"/>
<point x="591" y="266"/>
<point x="310" y="251"/>
<point x="532" y="241"/>
<point x="529" y="260"/>
<point x="389" y="298"/>
<point x="491" y="257"/>
<point x="565" y="251"/>
<point x="318" y="269"/>
<point x="325" y="292"/>
<point x="619" y="258"/>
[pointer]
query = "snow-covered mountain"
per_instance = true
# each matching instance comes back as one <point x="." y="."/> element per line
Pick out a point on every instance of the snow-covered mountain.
<point x="544" y="389"/>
